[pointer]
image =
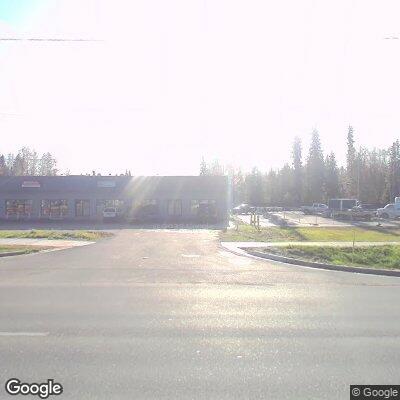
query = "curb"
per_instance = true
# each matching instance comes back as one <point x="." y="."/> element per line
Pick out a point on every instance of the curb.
<point x="13" y="253"/>
<point x="332" y="267"/>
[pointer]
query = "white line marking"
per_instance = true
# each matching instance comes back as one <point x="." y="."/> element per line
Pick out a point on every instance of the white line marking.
<point x="24" y="333"/>
<point x="191" y="255"/>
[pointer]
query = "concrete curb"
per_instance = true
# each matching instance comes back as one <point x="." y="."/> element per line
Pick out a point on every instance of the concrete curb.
<point x="13" y="253"/>
<point x="332" y="267"/>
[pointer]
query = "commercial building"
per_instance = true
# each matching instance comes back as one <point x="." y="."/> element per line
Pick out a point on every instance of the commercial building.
<point x="77" y="197"/>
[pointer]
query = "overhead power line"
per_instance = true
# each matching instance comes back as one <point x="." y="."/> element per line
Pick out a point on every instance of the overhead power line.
<point x="17" y="39"/>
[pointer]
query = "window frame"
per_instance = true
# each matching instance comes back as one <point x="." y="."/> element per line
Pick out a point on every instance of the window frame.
<point x="17" y="206"/>
<point x="101" y="204"/>
<point x="82" y="201"/>
<point x="63" y="208"/>
<point x="175" y="202"/>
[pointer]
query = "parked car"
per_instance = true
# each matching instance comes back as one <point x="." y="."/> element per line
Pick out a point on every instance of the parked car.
<point x="389" y="211"/>
<point x="273" y="209"/>
<point x="110" y="213"/>
<point x="362" y="212"/>
<point x="242" y="209"/>
<point x="371" y="207"/>
<point x="316" y="208"/>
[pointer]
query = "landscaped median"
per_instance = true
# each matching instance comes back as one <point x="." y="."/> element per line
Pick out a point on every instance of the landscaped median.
<point x="246" y="233"/>
<point x="385" y="256"/>
<point x="10" y="250"/>
<point x="18" y="242"/>
<point x="356" y="249"/>
<point x="54" y="234"/>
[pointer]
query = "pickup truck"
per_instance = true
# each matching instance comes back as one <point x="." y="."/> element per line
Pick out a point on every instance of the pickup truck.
<point x="243" y="209"/>
<point x="316" y="208"/>
<point x="389" y="211"/>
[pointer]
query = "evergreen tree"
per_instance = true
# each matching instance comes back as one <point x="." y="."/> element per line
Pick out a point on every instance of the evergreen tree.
<point x="373" y="174"/>
<point x="393" y="179"/>
<point x="3" y="166"/>
<point x="254" y="188"/>
<point x="297" y="186"/>
<point x="33" y="162"/>
<point x="47" y="165"/>
<point x="331" y="177"/>
<point x="238" y="187"/>
<point x="271" y="186"/>
<point x="216" y="168"/>
<point x="203" y="167"/>
<point x="19" y="165"/>
<point x="315" y="170"/>
<point x="10" y="163"/>
<point x="351" y="166"/>
<point x="285" y="179"/>
<point x="24" y="155"/>
<point x="27" y="162"/>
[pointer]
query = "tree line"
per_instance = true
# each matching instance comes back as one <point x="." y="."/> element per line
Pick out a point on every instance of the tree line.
<point x="371" y="176"/>
<point x="28" y="162"/>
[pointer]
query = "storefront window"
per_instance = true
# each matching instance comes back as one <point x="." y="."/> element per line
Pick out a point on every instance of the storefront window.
<point x="19" y="208"/>
<point x="144" y="208"/>
<point x="203" y="208"/>
<point x="54" y="208"/>
<point x="82" y="208"/>
<point x="175" y="207"/>
<point x="112" y="203"/>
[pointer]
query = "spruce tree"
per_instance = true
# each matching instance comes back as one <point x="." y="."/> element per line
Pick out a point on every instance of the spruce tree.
<point x="297" y="164"/>
<point x="351" y="166"/>
<point x="331" y="177"/>
<point x="315" y="169"/>
<point x="203" y="167"/>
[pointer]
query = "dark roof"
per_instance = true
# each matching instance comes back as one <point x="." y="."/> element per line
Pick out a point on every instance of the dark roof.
<point x="121" y="185"/>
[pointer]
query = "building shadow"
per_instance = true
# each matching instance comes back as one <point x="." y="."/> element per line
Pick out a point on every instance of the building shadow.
<point x="112" y="225"/>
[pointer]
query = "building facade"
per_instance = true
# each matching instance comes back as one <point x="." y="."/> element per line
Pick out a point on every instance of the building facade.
<point x="77" y="197"/>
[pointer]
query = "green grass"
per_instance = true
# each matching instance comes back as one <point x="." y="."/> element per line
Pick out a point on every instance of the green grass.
<point x="54" y="234"/>
<point x="387" y="257"/>
<point x="24" y="249"/>
<point x="346" y="234"/>
<point x="247" y="233"/>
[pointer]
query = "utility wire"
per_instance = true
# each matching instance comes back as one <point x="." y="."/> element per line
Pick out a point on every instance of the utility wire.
<point x="6" y="39"/>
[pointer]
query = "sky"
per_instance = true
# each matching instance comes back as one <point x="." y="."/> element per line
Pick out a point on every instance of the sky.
<point x="164" y="83"/>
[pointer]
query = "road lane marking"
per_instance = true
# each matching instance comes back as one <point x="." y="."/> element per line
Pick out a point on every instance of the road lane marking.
<point x="24" y="333"/>
<point x="190" y="255"/>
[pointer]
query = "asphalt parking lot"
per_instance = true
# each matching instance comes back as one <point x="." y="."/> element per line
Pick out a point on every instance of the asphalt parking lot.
<point x="169" y="314"/>
<point x="299" y="219"/>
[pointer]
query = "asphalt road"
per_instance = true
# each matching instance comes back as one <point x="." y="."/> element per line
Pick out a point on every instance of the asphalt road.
<point x="170" y="315"/>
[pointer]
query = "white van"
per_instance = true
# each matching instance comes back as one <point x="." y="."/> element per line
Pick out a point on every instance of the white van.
<point x="110" y="213"/>
<point x="391" y="211"/>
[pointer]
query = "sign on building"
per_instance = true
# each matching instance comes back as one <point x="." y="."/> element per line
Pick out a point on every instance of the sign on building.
<point x="106" y="184"/>
<point x="30" y="184"/>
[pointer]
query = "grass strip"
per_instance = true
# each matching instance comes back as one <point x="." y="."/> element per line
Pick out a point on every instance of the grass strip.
<point x="54" y="234"/>
<point x="379" y="257"/>
<point x="24" y="249"/>
<point x="247" y="233"/>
